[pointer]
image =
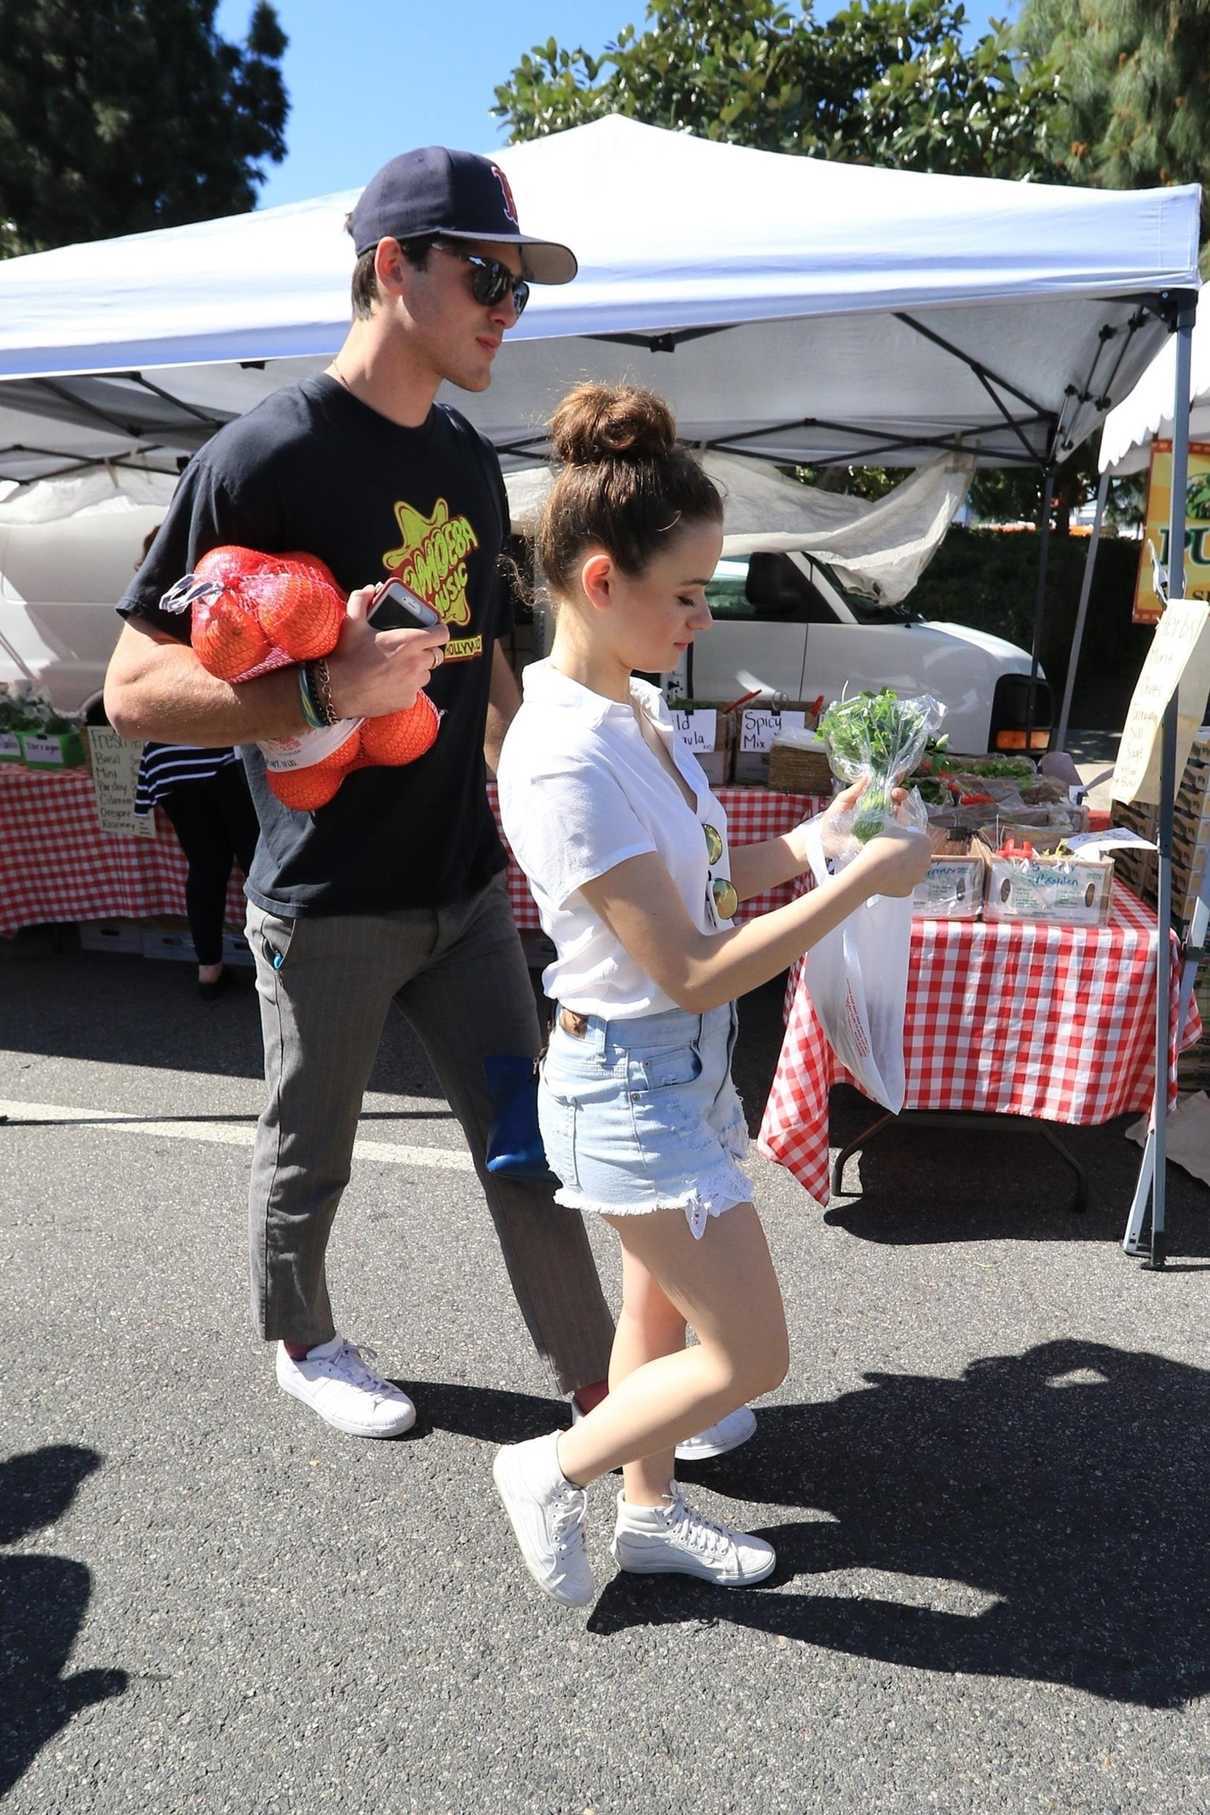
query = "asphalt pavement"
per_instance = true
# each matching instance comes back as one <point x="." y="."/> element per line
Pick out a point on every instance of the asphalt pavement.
<point x="986" y="1476"/>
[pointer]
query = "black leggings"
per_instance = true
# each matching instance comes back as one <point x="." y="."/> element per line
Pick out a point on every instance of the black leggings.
<point x="216" y="823"/>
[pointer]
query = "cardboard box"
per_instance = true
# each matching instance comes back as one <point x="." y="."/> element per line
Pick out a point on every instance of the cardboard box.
<point x="164" y="942"/>
<point x="52" y="749"/>
<point x="112" y="936"/>
<point x="1075" y="891"/>
<point x="953" y="887"/>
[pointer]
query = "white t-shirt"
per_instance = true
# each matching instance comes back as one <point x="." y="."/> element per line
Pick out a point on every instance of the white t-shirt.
<point x="580" y="792"/>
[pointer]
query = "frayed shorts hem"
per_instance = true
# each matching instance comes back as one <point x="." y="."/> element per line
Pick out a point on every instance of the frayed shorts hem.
<point x="698" y="1206"/>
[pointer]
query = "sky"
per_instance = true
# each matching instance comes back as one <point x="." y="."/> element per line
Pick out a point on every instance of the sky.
<point x="369" y="78"/>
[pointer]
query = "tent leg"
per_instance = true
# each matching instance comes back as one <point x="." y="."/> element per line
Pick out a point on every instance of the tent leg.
<point x="1048" y="499"/>
<point x="1184" y="315"/>
<point x="1090" y="561"/>
<point x="1132" y="1240"/>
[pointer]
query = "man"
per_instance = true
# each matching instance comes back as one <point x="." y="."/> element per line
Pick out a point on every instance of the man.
<point x="395" y="890"/>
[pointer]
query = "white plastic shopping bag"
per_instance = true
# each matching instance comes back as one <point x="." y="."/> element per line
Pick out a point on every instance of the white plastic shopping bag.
<point x="857" y="975"/>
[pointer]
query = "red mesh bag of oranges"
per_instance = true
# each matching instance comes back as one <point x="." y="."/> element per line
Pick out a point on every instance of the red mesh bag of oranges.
<point x="253" y="613"/>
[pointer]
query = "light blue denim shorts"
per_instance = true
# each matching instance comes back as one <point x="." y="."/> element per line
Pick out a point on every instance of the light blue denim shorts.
<point x="642" y="1115"/>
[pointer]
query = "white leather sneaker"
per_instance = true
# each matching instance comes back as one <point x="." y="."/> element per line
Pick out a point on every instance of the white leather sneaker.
<point x="678" y="1540"/>
<point x="334" y="1381"/>
<point x="547" y="1515"/>
<point x="727" y="1434"/>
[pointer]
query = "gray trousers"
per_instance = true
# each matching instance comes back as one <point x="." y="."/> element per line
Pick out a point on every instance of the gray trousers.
<point x="459" y="976"/>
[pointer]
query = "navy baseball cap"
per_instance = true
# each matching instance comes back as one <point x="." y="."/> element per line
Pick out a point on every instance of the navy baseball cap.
<point x="455" y="194"/>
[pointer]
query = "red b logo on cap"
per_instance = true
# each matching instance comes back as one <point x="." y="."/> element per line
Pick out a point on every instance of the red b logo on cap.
<point x="510" y="206"/>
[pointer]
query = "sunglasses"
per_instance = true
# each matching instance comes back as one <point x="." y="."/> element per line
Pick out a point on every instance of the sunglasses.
<point x="491" y="281"/>
<point x="722" y="889"/>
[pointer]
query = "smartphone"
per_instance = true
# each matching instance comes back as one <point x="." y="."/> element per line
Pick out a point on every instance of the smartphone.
<point x="396" y="607"/>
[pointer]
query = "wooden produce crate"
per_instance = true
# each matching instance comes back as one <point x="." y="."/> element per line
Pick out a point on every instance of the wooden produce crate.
<point x="797" y="771"/>
<point x="710" y="731"/>
<point x="759" y="725"/>
<point x="1193" y="1067"/>
<point x="1072" y="891"/>
<point x="1190" y="839"/>
<point x="953" y="888"/>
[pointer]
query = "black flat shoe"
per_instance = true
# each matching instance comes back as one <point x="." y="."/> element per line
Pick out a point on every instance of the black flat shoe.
<point x="210" y="992"/>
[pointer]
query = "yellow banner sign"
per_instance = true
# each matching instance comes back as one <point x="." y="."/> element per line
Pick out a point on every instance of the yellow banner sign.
<point x="1148" y="607"/>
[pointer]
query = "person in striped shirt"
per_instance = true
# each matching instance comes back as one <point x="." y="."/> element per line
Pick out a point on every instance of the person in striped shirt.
<point x="205" y="794"/>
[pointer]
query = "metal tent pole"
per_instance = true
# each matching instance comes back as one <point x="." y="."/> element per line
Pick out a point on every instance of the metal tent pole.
<point x="1073" y="660"/>
<point x="1048" y="499"/>
<point x="1183" y="317"/>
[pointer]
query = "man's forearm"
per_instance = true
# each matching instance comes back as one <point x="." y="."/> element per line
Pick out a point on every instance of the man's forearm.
<point x="160" y="691"/>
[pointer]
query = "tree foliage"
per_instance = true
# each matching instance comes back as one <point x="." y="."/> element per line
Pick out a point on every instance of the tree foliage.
<point x="885" y="82"/>
<point x="125" y="115"/>
<point x="1134" y="84"/>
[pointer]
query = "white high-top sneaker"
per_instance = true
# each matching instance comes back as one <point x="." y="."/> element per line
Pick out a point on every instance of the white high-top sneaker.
<point x="715" y="1440"/>
<point x="547" y="1515"/>
<point x="676" y="1539"/>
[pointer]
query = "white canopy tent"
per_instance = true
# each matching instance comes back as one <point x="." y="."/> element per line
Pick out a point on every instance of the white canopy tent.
<point x="877" y="549"/>
<point x="1146" y="414"/>
<point x="789" y="308"/>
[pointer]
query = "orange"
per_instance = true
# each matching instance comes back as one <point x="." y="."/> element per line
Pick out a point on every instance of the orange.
<point x="400" y="737"/>
<point x="226" y="637"/>
<point x="305" y="789"/>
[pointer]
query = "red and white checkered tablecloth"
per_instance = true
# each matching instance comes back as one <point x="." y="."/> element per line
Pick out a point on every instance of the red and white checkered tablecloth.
<point x="57" y="864"/>
<point x="1011" y="1018"/>
<point x="753" y="814"/>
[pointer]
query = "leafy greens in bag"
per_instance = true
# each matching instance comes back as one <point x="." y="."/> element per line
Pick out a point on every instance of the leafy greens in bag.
<point x="880" y="738"/>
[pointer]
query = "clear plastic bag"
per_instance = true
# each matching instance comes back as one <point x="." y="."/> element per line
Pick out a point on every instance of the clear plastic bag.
<point x="880" y="738"/>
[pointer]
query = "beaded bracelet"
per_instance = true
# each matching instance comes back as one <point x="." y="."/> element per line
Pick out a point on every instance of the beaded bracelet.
<point x="319" y="686"/>
<point x="310" y="709"/>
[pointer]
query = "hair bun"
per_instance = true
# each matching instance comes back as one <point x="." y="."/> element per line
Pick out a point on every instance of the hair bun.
<point x="598" y="422"/>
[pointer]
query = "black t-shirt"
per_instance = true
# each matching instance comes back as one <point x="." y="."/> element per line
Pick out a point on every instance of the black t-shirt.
<point x="313" y="469"/>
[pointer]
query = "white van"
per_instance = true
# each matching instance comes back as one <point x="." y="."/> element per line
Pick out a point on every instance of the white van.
<point x="59" y="584"/>
<point x="783" y="624"/>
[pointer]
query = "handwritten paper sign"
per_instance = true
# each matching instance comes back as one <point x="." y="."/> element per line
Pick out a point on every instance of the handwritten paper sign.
<point x="1178" y="663"/>
<point x="761" y="724"/>
<point x="115" y="771"/>
<point x="699" y="728"/>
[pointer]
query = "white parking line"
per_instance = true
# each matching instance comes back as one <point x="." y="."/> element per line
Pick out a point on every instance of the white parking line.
<point x="239" y="1134"/>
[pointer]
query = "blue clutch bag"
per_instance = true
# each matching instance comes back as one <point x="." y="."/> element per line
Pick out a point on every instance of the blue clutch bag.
<point x="514" y="1143"/>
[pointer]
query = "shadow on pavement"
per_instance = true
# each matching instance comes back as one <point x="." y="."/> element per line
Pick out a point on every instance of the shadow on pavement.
<point x="484" y="1413"/>
<point x="920" y="1184"/>
<point x="43" y="1601"/>
<point x="1070" y="1484"/>
<point x="103" y="1008"/>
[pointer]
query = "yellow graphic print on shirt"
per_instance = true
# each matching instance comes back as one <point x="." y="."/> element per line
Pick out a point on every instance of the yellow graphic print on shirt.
<point x="431" y="559"/>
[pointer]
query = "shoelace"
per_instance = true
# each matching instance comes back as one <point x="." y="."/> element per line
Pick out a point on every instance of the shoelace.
<point x="696" y="1530"/>
<point x="349" y="1361"/>
<point x="567" y="1531"/>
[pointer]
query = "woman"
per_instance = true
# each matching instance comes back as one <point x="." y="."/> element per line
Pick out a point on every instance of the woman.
<point x="626" y="852"/>
<point x="205" y="795"/>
